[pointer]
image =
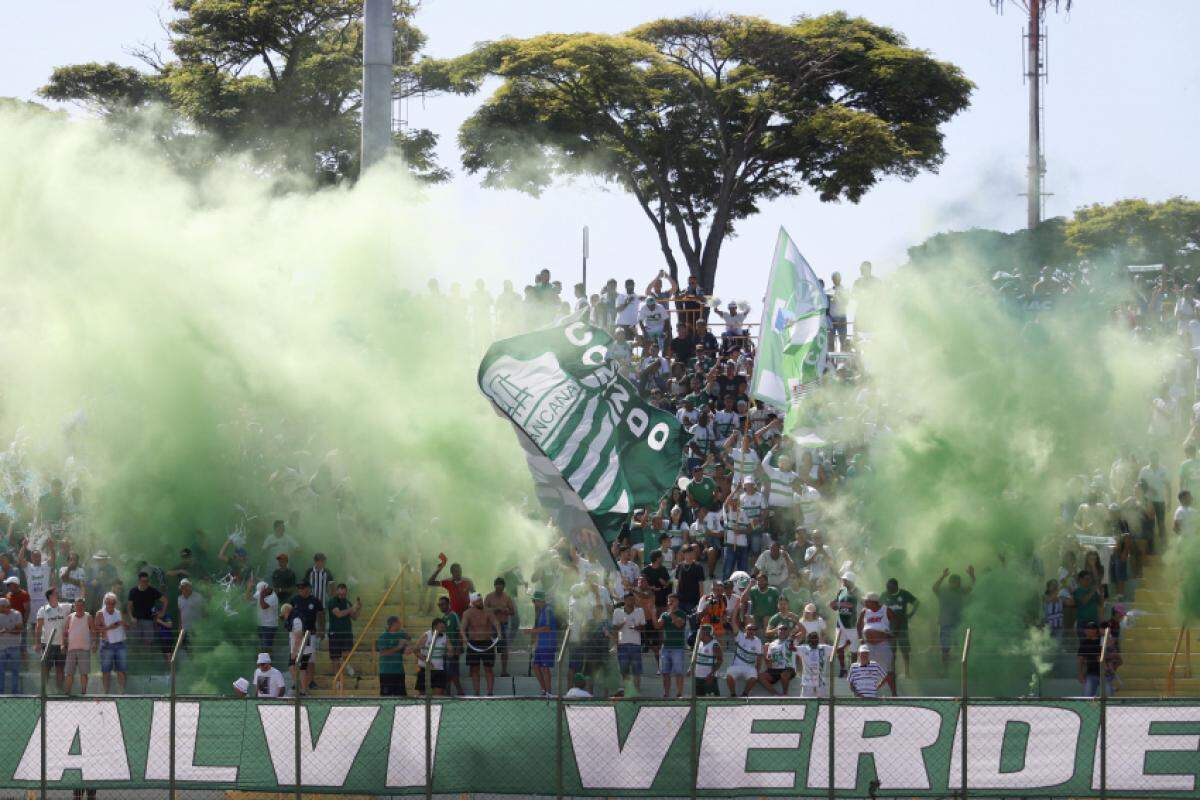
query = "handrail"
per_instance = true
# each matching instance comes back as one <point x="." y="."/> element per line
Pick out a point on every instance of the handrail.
<point x="362" y="634"/>
<point x="562" y="649"/>
<point x="1174" y="658"/>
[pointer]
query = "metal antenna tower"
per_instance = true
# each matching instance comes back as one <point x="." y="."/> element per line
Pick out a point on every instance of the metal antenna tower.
<point x="1034" y="52"/>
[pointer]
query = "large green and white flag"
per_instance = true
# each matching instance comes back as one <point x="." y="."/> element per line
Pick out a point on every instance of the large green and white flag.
<point x="794" y="337"/>
<point x="593" y="443"/>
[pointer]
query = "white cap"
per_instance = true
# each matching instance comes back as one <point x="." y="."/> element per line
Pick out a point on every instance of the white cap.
<point x="242" y="685"/>
<point x="264" y="658"/>
<point x="871" y="596"/>
<point x="864" y="648"/>
<point x="476" y="596"/>
<point x="848" y="576"/>
<point x="13" y="579"/>
<point x="185" y="582"/>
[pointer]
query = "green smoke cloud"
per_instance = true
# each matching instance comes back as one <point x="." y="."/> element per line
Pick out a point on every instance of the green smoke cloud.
<point x="982" y="416"/>
<point x="213" y="352"/>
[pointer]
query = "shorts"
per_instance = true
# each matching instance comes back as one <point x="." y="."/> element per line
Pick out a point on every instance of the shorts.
<point x="303" y="661"/>
<point x="903" y="642"/>
<point x="740" y="669"/>
<point x="629" y="659"/>
<point x="502" y="642"/>
<point x="55" y="657"/>
<point x="485" y="655"/>
<point x="340" y="643"/>
<point x="671" y="661"/>
<point x="436" y="681"/>
<point x="114" y="657"/>
<point x="1120" y="570"/>
<point x="947" y="636"/>
<point x="392" y="685"/>
<point x="778" y="674"/>
<point x="811" y="689"/>
<point x="452" y="668"/>
<point x="543" y="658"/>
<point x="78" y="662"/>
<point x="881" y="654"/>
<point x="706" y="686"/>
<point x="848" y="638"/>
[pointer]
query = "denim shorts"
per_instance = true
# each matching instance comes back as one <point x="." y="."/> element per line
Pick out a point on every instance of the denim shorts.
<point x="671" y="661"/>
<point x="113" y="656"/>
<point x="629" y="659"/>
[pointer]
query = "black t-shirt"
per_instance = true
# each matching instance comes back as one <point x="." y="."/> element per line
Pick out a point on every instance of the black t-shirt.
<point x="1089" y="651"/>
<point x="683" y="347"/>
<point x="307" y="608"/>
<point x="144" y="601"/>
<point x="658" y="576"/>
<point x="690" y="578"/>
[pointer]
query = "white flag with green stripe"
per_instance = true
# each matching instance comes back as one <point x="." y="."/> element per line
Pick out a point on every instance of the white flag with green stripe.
<point x="793" y="337"/>
<point x="580" y="419"/>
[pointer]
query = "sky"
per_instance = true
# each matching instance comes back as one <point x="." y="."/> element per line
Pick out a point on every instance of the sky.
<point x="1121" y="105"/>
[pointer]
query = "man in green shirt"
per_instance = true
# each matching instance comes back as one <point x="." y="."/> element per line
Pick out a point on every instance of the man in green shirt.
<point x="702" y="490"/>
<point x="453" y="646"/>
<point x="903" y="604"/>
<point x="390" y="647"/>
<point x="784" y="621"/>
<point x="341" y="627"/>
<point x="672" y="659"/>
<point x="764" y="601"/>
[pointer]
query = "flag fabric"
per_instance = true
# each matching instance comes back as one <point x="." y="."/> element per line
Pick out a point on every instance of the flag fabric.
<point x="592" y="442"/>
<point x="793" y="342"/>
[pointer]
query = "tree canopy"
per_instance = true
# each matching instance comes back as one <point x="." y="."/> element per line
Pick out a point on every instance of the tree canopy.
<point x="279" y="77"/>
<point x="704" y="119"/>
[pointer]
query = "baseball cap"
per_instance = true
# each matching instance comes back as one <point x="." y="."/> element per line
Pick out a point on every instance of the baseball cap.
<point x="539" y="596"/>
<point x="13" y="580"/>
<point x="242" y="685"/>
<point x="264" y="658"/>
<point x="848" y="576"/>
<point x="185" y="582"/>
<point x="871" y="595"/>
<point x="303" y="584"/>
<point x="100" y="555"/>
<point x="746" y="481"/>
<point x="475" y="596"/>
<point x="810" y="608"/>
<point x="864" y="649"/>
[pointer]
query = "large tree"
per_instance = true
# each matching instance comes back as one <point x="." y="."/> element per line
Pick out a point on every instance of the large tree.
<point x="1135" y="231"/>
<point x="280" y="77"/>
<point x="704" y="119"/>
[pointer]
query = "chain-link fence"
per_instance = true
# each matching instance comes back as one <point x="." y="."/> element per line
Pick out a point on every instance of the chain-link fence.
<point x="559" y="747"/>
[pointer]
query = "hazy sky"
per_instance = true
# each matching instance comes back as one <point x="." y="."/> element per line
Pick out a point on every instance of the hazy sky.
<point x="1122" y="103"/>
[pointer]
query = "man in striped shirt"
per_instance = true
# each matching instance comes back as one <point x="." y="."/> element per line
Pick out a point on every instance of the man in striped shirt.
<point x="865" y="676"/>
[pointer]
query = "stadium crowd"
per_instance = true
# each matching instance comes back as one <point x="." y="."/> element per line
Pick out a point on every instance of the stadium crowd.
<point x="736" y="567"/>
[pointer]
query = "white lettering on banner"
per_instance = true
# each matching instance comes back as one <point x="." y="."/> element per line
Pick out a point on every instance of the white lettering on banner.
<point x="658" y="436"/>
<point x="574" y="335"/>
<point x="406" y="752"/>
<point x="729" y="738"/>
<point x="899" y="763"/>
<point x="595" y="355"/>
<point x="187" y="725"/>
<point x="1050" y="748"/>
<point x="326" y="762"/>
<point x="96" y="724"/>
<point x="604" y="763"/>
<point x="637" y="421"/>
<point x="1130" y="741"/>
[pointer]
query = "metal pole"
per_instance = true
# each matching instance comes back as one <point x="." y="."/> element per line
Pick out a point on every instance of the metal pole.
<point x="171" y="729"/>
<point x="42" y="694"/>
<point x="559" y="713"/>
<point x="429" y="716"/>
<point x="695" y="714"/>
<point x="1034" y="75"/>
<point x="377" y="81"/>
<point x="585" y="259"/>
<point x="837" y="637"/>
<point x="1104" y="719"/>
<point x="963" y="715"/>
<point x="296" y="732"/>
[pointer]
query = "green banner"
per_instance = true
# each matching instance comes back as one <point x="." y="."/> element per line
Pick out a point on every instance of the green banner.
<point x="622" y="749"/>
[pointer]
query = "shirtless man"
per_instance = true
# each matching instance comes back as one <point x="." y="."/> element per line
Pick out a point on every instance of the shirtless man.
<point x="481" y="633"/>
<point x="502" y="606"/>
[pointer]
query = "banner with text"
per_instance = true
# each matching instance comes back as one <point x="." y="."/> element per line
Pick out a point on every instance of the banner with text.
<point x="624" y="749"/>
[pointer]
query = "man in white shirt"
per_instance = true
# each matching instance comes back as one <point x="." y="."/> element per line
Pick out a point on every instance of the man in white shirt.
<point x="781" y="665"/>
<point x="266" y="607"/>
<point x="268" y="681"/>
<point x="653" y="318"/>
<point x="625" y="577"/>
<point x="743" y="459"/>
<point x="747" y="660"/>
<point x="276" y="542"/>
<point x="578" y="690"/>
<point x="753" y="513"/>
<point x="37" y="578"/>
<point x="51" y="619"/>
<point x="865" y="676"/>
<point x="813" y="659"/>
<point x="628" y="305"/>
<point x="1158" y="488"/>
<point x="1185" y="516"/>
<point x="735" y="329"/>
<point x="776" y="564"/>
<point x="628" y="622"/>
<point x="114" y="653"/>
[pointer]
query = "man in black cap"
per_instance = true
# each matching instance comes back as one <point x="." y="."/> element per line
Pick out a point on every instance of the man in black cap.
<point x="310" y="611"/>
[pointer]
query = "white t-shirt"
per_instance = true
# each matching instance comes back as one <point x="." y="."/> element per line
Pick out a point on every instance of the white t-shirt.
<point x="818" y="626"/>
<point x="627" y="572"/>
<point x="753" y="506"/>
<point x="1186" y="516"/>
<point x="37" y="581"/>
<point x="780" y="655"/>
<point x="1156" y="482"/>
<point x="687" y="418"/>
<point x="655" y="319"/>
<point x="629" y="634"/>
<point x="747" y="650"/>
<point x="628" y="316"/>
<point x="267" y="617"/>
<point x="70" y="592"/>
<point x="297" y="635"/>
<point x="733" y="322"/>
<point x="575" y="693"/>
<point x="775" y="568"/>
<point x="745" y="462"/>
<point x="104" y="619"/>
<point x="53" y="620"/>
<point x="269" y="683"/>
<point x="810" y="505"/>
